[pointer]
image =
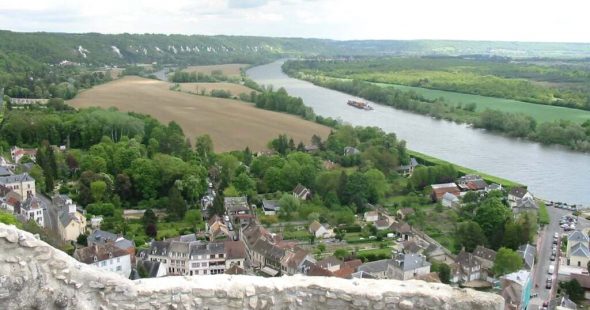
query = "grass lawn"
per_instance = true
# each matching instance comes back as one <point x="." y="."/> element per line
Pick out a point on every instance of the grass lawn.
<point x="540" y="112"/>
<point x="487" y="177"/>
<point x="440" y="226"/>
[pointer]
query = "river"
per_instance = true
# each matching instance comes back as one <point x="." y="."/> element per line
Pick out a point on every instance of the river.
<point x="551" y="172"/>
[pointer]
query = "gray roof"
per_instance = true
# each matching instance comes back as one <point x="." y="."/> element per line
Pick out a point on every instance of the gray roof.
<point x="16" y="178"/>
<point x="450" y="197"/>
<point x="101" y="237"/>
<point x="270" y="205"/>
<point x="33" y="203"/>
<point x="527" y="203"/>
<point x="65" y="217"/>
<point x="518" y="192"/>
<point x="485" y="253"/>
<point x="362" y="275"/>
<point x="236" y="203"/>
<point x="408" y="262"/>
<point x="580" y="249"/>
<point x="5" y="171"/>
<point x="159" y="248"/>
<point x="60" y="200"/>
<point x="527" y="252"/>
<point x="376" y="266"/>
<point x="578" y="236"/>
<point x="123" y="243"/>
<point x="201" y="248"/>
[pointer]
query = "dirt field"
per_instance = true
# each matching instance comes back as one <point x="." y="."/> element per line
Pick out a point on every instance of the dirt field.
<point x="227" y="69"/>
<point x="196" y="88"/>
<point x="231" y="124"/>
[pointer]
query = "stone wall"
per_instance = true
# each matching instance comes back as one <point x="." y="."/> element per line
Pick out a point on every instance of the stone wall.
<point x="33" y="275"/>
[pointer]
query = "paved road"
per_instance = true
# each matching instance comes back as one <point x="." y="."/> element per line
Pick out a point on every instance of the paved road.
<point x="49" y="214"/>
<point x="540" y="273"/>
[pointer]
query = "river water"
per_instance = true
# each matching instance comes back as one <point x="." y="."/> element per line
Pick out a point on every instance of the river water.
<point x="551" y="172"/>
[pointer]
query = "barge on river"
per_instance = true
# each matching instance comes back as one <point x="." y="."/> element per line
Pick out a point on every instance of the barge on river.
<point x="360" y="105"/>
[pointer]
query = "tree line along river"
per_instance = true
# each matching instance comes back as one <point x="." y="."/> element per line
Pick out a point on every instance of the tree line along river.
<point x="551" y="172"/>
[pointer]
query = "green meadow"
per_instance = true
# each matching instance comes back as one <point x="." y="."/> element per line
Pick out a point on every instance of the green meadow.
<point x="540" y="112"/>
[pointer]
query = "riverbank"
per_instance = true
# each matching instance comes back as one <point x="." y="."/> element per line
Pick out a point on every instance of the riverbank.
<point x="464" y="170"/>
<point x="573" y="135"/>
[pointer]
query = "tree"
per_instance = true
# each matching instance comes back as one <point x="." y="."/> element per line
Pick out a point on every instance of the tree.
<point x="204" y="147"/>
<point x="507" y="261"/>
<point x="82" y="240"/>
<point x="151" y="230"/>
<point x="176" y="206"/>
<point x="149" y="217"/>
<point x="9" y="219"/>
<point x="491" y="215"/>
<point x="244" y="184"/>
<point x="218" y="207"/>
<point x="443" y="270"/>
<point x="574" y="290"/>
<point x="289" y="206"/>
<point x="470" y="235"/>
<point x="341" y="253"/>
<point x="98" y="190"/>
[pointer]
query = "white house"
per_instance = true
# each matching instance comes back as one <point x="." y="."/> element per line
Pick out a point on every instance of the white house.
<point x="407" y="266"/>
<point x="578" y="253"/>
<point x="371" y="216"/>
<point x="32" y="209"/>
<point x="449" y="200"/>
<point x="301" y="192"/>
<point x="320" y="231"/>
<point x="23" y="184"/>
<point x="17" y="153"/>
<point x="107" y="257"/>
<point x="270" y="207"/>
<point x="517" y="194"/>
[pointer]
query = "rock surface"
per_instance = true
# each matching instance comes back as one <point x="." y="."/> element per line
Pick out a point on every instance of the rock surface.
<point x="33" y="275"/>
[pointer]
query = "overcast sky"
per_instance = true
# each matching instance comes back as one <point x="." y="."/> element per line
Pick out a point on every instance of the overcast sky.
<point x="507" y="20"/>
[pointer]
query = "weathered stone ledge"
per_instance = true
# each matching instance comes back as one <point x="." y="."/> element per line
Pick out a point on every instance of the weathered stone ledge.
<point x="33" y="275"/>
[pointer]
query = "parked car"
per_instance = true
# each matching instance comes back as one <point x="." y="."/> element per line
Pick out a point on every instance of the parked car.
<point x="552" y="258"/>
<point x="548" y="284"/>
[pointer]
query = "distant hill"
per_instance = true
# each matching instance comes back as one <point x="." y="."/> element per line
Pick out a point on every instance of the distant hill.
<point x="120" y="49"/>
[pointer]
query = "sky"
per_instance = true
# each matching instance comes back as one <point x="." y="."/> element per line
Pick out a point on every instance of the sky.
<point x="503" y="20"/>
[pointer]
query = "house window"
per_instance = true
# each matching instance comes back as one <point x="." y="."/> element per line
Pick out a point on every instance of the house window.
<point x="119" y="268"/>
<point x="103" y="263"/>
<point x="579" y="263"/>
<point x="118" y="259"/>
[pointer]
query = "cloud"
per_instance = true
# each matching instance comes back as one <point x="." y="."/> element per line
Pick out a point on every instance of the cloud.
<point x="523" y="20"/>
<point x="246" y="4"/>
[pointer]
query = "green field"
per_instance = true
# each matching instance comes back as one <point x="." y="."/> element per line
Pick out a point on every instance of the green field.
<point x="540" y="112"/>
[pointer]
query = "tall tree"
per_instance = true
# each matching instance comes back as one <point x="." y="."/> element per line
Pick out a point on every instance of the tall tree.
<point x="507" y="261"/>
<point x="176" y="206"/>
<point x="470" y="235"/>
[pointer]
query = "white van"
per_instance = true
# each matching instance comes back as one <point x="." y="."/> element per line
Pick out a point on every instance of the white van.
<point x="551" y="269"/>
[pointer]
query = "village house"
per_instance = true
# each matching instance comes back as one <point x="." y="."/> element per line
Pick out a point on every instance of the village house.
<point x="106" y="257"/>
<point x="216" y="228"/>
<point x="467" y="268"/>
<point x="270" y="207"/>
<point x="95" y="221"/>
<point x="517" y="194"/>
<point x="377" y="269"/>
<point x="320" y="231"/>
<point x="349" y="151"/>
<point x="382" y="223"/>
<point x="486" y="258"/>
<point x="235" y="254"/>
<point x="528" y="252"/>
<point x="450" y="201"/>
<point x="371" y="216"/>
<point x="402" y="230"/>
<point x="493" y="187"/>
<point x="407" y="266"/>
<point x="516" y="289"/>
<point x="438" y="190"/>
<point x="23" y="184"/>
<point x="152" y="269"/>
<point x="98" y="237"/>
<point x="578" y="253"/>
<point x="330" y="263"/>
<point x="10" y="201"/>
<point x="71" y="223"/>
<point x="236" y="205"/>
<point x="5" y="171"/>
<point x="262" y="253"/>
<point x="182" y="257"/>
<point x="295" y="260"/>
<point x="408" y="170"/>
<point x="17" y="154"/>
<point x="526" y="204"/>
<point x="32" y="209"/>
<point x="471" y="182"/>
<point x="301" y="192"/>
<point x="27" y="101"/>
